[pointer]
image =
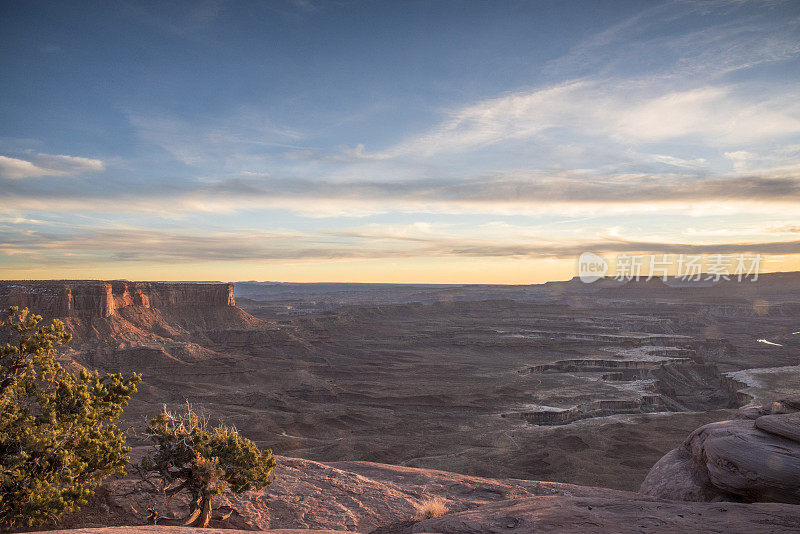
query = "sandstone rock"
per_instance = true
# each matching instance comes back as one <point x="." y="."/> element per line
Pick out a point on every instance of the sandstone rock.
<point x="745" y="461"/>
<point x="779" y="407"/>
<point x="64" y="298"/>
<point x="783" y="406"/>
<point x="675" y="477"/>
<point x="793" y="402"/>
<point x="313" y="497"/>
<point x="53" y="299"/>
<point x="586" y="515"/>
<point x="352" y="496"/>
<point x="784" y="425"/>
<point x="752" y="412"/>
<point x="731" y="460"/>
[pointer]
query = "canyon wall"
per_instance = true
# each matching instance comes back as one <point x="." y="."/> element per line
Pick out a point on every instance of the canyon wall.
<point x="64" y="298"/>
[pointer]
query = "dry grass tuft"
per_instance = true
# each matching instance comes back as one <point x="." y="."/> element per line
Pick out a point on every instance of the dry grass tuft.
<point x="430" y="507"/>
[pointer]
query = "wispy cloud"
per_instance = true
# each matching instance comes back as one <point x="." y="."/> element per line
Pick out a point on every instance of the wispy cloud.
<point x="39" y="165"/>
<point x="520" y="191"/>
<point x="245" y="137"/>
<point x="144" y="244"/>
<point x="712" y="44"/>
<point x="614" y="112"/>
<point x="525" y="187"/>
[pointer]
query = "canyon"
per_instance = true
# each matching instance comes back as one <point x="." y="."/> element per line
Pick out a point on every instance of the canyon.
<point x="565" y="382"/>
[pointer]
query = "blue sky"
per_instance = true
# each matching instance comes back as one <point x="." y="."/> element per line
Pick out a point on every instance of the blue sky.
<point x="393" y="141"/>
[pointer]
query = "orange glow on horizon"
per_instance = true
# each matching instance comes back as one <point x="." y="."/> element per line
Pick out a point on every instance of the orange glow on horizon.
<point x="406" y="271"/>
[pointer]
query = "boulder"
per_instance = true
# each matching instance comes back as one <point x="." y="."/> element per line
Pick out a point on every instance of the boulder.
<point x="750" y="460"/>
<point x="676" y="478"/>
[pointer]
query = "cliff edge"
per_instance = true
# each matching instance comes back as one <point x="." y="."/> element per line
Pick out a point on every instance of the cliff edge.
<point x="64" y="298"/>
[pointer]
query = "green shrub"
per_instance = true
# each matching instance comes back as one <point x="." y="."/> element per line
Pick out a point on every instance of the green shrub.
<point x="191" y="456"/>
<point x="57" y="437"/>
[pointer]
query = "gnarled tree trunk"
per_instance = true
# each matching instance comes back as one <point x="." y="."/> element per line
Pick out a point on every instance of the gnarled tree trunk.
<point x="201" y="511"/>
<point x="205" y="512"/>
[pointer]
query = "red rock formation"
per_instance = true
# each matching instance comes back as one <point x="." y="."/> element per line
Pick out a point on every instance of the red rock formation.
<point x="65" y="298"/>
<point x="52" y="299"/>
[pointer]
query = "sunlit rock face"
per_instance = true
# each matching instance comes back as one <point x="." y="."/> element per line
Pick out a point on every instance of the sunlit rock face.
<point x="133" y="326"/>
<point x="103" y="299"/>
<point x="754" y="458"/>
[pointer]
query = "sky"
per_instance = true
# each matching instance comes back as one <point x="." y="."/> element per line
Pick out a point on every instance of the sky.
<point x="372" y="141"/>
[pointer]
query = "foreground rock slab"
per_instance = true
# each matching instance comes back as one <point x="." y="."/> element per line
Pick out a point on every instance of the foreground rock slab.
<point x="314" y="497"/>
<point x="351" y="496"/>
<point x="583" y="515"/>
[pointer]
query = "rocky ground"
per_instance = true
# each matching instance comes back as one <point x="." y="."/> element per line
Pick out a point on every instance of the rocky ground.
<point x="354" y="496"/>
<point x="365" y="497"/>
<point x="578" y="515"/>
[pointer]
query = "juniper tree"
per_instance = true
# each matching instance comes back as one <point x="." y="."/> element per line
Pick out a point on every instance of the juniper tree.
<point x="204" y="461"/>
<point x="57" y="437"/>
